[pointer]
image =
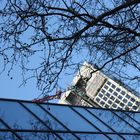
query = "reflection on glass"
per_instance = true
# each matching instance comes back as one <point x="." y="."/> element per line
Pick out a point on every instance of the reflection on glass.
<point x="44" y="116"/>
<point x="16" y="116"/>
<point x="37" y="136"/>
<point x="7" y="136"/>
<point x="69" y="118"/>
<point x="57" y="122"/>
<point x="90" y="116"/>
<point x="2" y="126"/>
<point x="92" y="137"/>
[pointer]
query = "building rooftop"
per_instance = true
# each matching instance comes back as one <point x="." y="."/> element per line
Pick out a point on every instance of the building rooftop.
<point x="22" y="120"/>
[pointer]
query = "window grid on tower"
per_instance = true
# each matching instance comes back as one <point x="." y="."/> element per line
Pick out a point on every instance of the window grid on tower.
<point x="112" y="96"/>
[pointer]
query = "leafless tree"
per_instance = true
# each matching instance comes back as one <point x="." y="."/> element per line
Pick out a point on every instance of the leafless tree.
<point x="48" y="38"/>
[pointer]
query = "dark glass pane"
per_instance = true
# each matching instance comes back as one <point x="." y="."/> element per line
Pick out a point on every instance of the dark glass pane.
<point x="122" y="105"/>
<point x="103" y="91"/>
<point x="132" y="99"/>
<point x="127" y="96"/>
<point x="106" y="106"/>
<point x="106" y="87"/>
<point x="112" y="97"/>
<point x="100" y="95"/>
<point x="105" y="98"/>
<point x="115" y="93"/>
<point x="108" y="83"/>
<point x="109" y="101"/>
<point x="129" y="103"/>
<point x="102" y="102"/>
<point x="113" y="86"/>
<point x="118" y="89"/>
<point x="123" y="92"/>
<point x="124" y="100"/>
<point x="97" y="99"/>
<point x="110" y="90"/>
<point x="120" y="97"/>
<point x="114" y="105"/>
<point x="117" y="101"/>
<point x="107" y="94"/>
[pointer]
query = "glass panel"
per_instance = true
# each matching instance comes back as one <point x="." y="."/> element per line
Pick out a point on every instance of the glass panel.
<point x="100" y="95"/>
<point x="107" y="117"/>
<point x="118" y="89"/>
<point x="107" y="94"/>
<point x="37" y="136"/>
<point x="115" y="93"/>
<point x="16" y="116"/>
<point x="112" y="98"/>
<point x="93" y="119"/>
<point x="106" y="106"/>
<point x="92" y="137"/>
<point x="108" y="83"/>
<point x="45" y="117"/>
<point x="69" y="118"/>
<point x="124" y="100"/>
<point x="130" y="121"/>
<point x="113" y="86"/>
<point x="110" y="90"/>
<point x="127" y="96"/>
<point x="123" y="92"/>
<point x="105" y="98"/>
<point x="112" y="120"/>
<point x="2" y="126"/>
<point x="135" y="116"/>
<point x="103" y="91"/>
<point x="116" y="137"/>
<point x="109" y="101"/>
<point x="132" y="137"/>
<point x="68" y="136"/>
<point x="7" y="136"/>
<point x="106" y="87"/>
<point x="97" y="99"/>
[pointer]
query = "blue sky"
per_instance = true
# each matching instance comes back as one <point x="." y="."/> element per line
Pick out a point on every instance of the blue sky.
<point x="10" y="88"/>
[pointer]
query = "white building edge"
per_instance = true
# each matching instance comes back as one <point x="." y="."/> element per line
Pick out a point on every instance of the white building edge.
<point x="99" y="90"/>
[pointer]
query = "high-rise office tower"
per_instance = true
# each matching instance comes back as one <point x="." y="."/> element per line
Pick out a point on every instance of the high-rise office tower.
<point x="91" y="87"/>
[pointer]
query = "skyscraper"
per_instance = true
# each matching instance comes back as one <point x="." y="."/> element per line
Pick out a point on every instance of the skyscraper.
<point x="91" y="87"/>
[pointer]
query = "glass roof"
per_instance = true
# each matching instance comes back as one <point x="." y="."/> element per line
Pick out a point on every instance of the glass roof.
<point x="22" y="120"/>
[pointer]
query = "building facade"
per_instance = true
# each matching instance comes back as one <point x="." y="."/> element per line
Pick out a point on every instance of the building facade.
<point x="91" y="87"/>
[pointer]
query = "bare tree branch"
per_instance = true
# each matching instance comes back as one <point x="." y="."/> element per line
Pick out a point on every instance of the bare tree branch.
<point x="48" y="39"/>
